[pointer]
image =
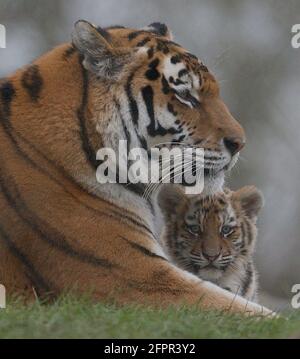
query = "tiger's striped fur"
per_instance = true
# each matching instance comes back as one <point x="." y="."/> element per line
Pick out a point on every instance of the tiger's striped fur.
<point x="60" y="229"/>
<point x="195" y="239"/>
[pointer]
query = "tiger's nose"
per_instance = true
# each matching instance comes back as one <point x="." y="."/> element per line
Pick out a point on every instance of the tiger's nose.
<point x="234" y="144"/>
<point x="210" y="257"/>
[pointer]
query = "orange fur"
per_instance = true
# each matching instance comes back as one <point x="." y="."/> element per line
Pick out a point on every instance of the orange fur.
<point x="55" y="233"/>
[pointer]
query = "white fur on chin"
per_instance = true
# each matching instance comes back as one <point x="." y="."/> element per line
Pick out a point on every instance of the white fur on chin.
<point x="213" y="185"/>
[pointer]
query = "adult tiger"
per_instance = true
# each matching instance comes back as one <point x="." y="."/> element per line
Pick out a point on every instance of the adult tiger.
<point x="61" y="229"/>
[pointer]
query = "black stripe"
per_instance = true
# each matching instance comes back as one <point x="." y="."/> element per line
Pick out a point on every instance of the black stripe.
<point x="147" y="93"/>
<point x="203" y="68"/>
<point x="189" y="55"/>
<point x="175" y="82"/>
<point x="249" y="231"/>
<point x="172" y="238"/>
<point x="176" y="58"/>
<point x="104" y="33"/>
<point x="243" y="230"/>
<point x="150" y="53"/>
<point x="165" y="85"/>
<point x="159" y="28"/>
<point x="114" y="27"/>
<point x="7" y="93"/>
<point x="143" y="42"/>
<point x="247" y="280"/>
<point x="69" y="52"/>
<point x="32" y="82"/>
<point x="152" y="73"/>
<point x="162" y="46"/>
<point x="182" y="72"/>
<point x="142" y="141"/>
<point x="142" y="249"/>
<point x="172" y="111"/>
<point x="134" y="111"/>
<point x="87" y="148"/>
<point x="140" y="138"/>
<point x="135" y="34"/>
<point x="49" y="234"/>
<point x="39" y="283"/>
<point x="154" y="128"/>
<point x="136" y="188"/>
<point x="221" y="201"/>
<point x="170" y="42"/>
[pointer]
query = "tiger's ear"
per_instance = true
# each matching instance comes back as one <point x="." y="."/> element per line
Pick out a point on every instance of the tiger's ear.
<point x="100" y="57"/>
<point x="251" y="200"/>
<point x="170" y="198"/>
<point x="160" y="29"/>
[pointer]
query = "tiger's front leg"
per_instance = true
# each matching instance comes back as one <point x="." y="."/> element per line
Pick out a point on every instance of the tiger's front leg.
<point x="159" y="283"/>
<point x="146" y="277"/>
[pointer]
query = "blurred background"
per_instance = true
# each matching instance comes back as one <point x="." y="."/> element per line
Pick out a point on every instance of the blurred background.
<point x="247" y="44"/>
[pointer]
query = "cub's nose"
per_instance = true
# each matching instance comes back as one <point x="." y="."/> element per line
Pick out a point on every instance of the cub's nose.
<point x="234" y="144"/>
<point x="210" y="257"/>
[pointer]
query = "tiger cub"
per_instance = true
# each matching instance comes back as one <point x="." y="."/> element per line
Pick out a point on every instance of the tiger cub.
<point x="214" y="236"/>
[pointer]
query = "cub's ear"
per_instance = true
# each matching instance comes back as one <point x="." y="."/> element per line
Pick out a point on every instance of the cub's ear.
<point x="100" y="57"/>
<point x="251" y="200"/>
<point x="170" y="198"/>
<point x="160" y="29"/>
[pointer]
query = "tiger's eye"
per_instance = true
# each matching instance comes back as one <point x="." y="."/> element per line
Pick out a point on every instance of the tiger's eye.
<point x="226" y="230"/>
<point x="194" y="229"/>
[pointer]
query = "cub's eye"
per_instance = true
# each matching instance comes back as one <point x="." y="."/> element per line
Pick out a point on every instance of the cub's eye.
<point x="193" y="229"/>
<point x="226" y="230"/>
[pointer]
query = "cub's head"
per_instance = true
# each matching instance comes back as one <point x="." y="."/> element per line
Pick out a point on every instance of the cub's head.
<point x="161" y="94"/>
<point x="210" y="234"/>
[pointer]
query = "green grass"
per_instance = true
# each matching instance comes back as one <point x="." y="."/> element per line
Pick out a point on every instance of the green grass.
<point x="70" y="318"/>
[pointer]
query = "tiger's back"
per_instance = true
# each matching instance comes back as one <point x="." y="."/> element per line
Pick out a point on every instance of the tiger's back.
<point x="42" y="207"/>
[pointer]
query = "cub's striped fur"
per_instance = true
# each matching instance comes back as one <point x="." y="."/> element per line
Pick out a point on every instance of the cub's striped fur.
<point x="61" y="229"/>
<point x="214" y="237"/>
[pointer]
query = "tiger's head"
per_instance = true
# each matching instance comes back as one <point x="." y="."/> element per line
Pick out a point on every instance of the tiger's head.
<point x="208" y="235"/>
<point x="155" y="93"/>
